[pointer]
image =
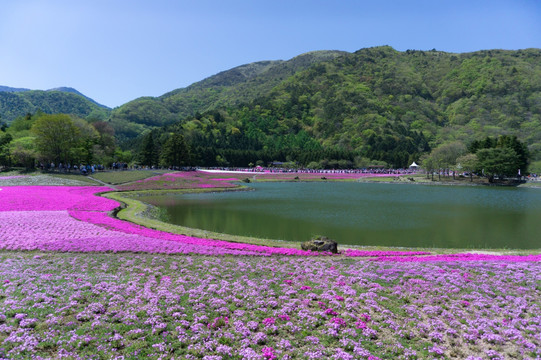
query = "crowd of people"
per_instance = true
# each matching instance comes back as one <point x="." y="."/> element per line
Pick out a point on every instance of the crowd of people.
<point x="116" y="166"/>
<point x="318" y="171"/>
<point x="82" y="168"/>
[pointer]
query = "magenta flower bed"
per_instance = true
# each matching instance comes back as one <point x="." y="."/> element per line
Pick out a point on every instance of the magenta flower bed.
<point x="58" y="231"/>
<point x="202" y="179"/>
<point x="57" y="218"/>
<point x="179" y="180"/>
<point x="47" y="198"/>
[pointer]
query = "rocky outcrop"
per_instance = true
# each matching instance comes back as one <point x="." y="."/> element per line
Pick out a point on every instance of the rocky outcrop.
<point x="321" y="243"/>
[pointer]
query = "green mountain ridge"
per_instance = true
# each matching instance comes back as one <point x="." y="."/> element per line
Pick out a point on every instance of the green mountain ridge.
<point x="228" y="88"/>
<point x="377" y="103"/>
<point x="15" y="102"/>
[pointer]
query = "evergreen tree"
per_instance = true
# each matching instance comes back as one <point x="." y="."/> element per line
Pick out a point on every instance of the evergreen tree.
<point x="175" y="151"/>
<point x="149" y="152"/>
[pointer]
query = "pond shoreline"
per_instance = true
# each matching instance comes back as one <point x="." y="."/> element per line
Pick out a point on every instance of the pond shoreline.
<point x="17" y="179"/>
<point x="140" y="217"/>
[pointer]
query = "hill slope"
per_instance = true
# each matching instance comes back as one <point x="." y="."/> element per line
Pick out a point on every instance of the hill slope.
<point x="15" y="102"/>
<point x="382" y="104"/>
<point x="236" y="86"/>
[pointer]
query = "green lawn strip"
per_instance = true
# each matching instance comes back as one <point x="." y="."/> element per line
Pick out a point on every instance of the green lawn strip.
<point x="76" y="177"/>
<point x="122" y="177"/>
<point x="139" y="213"/>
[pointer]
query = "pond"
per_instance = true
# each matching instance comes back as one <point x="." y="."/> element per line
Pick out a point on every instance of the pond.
<point x="367" y="214"/>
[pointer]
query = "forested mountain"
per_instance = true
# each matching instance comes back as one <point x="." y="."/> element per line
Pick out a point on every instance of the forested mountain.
<point x="377" y="103"/>
<point x="328" y="108"/>
<point x="15" y="102"/>
<point x="236" y="86"/>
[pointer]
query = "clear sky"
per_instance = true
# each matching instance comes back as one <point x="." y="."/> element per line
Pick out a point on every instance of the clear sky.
<point x="115" y="51"/>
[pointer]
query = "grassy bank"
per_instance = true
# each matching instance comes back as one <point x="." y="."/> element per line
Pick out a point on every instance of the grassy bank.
<point x="142" y="214"/>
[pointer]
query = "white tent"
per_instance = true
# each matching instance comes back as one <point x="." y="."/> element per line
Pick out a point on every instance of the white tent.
<point x="414" y="165"/>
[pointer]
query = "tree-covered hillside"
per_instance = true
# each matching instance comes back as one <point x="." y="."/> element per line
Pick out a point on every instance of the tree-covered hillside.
<point x="19" y="102"/>
<point x="333" y="109"/>
<point x="376" y="103"/>
<point x="229" y="88"/>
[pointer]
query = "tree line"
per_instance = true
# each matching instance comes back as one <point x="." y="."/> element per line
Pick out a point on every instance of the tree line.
<point x="211" y="140"/>
<point x="502" y="156"/>
<point x="57" y="139"/>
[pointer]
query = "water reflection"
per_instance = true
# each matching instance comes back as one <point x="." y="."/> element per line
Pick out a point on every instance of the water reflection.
<point x="368" y="214"/>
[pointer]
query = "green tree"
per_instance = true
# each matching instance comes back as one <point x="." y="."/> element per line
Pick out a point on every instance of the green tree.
<point x="23" y="151"/>
<point x="469" y="163"/>
<point x="175" y="151"/>
<point x="88" y="139"/>
<point x="445" y="155"/>
<point x="5" y="156"/>
<point x="516" y="151"/>
<point x="149" y="151"/>
<point x="56" y="137"/>
<point x="498" y="162"/>
<point x="429" y="163"/>
<point x="511" y="142"/>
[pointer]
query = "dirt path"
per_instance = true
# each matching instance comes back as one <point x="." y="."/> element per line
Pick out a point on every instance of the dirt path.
<point x="104" y="183"/>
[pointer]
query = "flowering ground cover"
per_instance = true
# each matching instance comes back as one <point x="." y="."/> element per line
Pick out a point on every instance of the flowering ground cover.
<point x="123" y="176"/>
<point x="203" y="179"/>
<point x="104" y="306"/>
<point x="54" y="198"/>
<point x="66" y="218"/>
<point x="106" y="288"/>
<point x="182" y="180"/>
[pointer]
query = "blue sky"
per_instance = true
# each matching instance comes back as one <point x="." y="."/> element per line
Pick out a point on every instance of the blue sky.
<point x="115" y="51"/>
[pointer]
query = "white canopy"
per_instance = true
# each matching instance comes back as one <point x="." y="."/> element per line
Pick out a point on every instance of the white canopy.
<point x="413" y="164"/>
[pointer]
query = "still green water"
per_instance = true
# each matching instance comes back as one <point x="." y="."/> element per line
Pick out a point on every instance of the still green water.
<point x="367" y="214"/>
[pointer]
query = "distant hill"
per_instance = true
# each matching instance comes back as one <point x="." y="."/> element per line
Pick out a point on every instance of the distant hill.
<point x="74" y="91"/>
<point x="16" y="102"/>
<point x="236" y="86"/>
<point x="377" y="103"/>
<point x="11" y="89"/>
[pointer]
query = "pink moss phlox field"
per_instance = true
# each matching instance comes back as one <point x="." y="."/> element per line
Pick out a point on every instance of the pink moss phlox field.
<point x="58" y="231"/>
<point x="56" y="218"/>
<point x="151" y="306"/>
<point x="179" y="180"/>
<point x="50" y="198"/>
<point x="203" y="179"/>
<point x="463" y="258"/>
<point x="377" y="253"/>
